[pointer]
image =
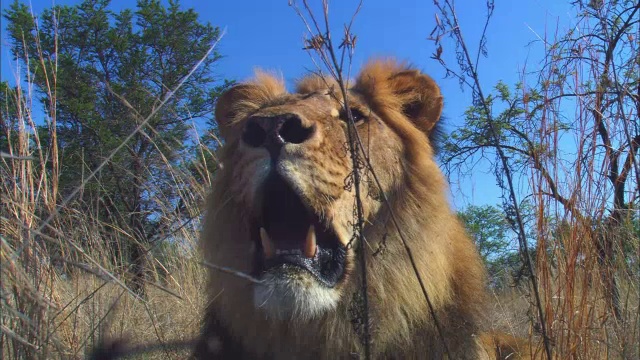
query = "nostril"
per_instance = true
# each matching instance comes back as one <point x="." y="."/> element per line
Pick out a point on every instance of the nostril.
<point x="292" y="131"/>
<point x="254" y="135"/>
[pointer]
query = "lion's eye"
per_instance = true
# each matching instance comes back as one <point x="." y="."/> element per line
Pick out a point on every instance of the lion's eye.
<point x="358" y="116"/>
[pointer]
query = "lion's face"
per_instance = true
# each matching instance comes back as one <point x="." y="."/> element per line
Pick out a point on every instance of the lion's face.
<point x="290" y="174"/>
<point x="293" y="170"/>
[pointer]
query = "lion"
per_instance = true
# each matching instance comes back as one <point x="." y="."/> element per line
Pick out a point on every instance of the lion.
<point x="282" y="211"/>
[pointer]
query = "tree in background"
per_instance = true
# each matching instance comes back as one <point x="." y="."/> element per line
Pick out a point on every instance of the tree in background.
<point x="113" y="69"/>
<point x="492" y="235"/>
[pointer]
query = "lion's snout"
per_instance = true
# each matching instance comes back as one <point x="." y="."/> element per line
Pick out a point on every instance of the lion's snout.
<point x="273" y="132"/>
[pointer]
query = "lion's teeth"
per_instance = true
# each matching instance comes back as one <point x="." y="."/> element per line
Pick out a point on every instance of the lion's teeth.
<point x="267" y="244"/>
<point x="310" y="243"/>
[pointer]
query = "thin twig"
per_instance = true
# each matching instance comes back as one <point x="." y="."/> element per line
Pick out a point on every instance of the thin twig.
<point x="231" y="271"/>
<point x="4" y="155"/>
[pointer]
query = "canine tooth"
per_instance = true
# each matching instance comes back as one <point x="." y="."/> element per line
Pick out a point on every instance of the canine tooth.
<point x="310" y="243"/>
<point x="267" y="244"/>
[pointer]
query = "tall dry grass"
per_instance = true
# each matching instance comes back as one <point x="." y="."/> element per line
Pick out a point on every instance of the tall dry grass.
<point x="62" y="293"/>
<point x="585" y="183"/>
<point x="588" y="242"/>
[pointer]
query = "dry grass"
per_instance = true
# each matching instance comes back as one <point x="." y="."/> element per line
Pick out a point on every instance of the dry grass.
<point x="61" y="294"/>
<point x="61" y="291"/>
<point x="93" y="306"/>
<point x="582" y="325"/>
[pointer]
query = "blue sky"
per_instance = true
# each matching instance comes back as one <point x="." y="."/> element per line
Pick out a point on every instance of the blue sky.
<point x="268" y="34"/>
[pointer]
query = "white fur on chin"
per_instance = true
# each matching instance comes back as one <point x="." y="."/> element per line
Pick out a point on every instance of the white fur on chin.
<point x="286" y="297"/>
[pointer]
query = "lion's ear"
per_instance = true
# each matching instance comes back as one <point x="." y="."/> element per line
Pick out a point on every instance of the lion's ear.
<point x="228" y="106"/>
<point x="241" y="100"/>
<point x="416" y="95"/>
<point x="420" y="98"/>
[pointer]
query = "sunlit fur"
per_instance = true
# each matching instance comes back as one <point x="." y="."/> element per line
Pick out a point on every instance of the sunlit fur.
<point x="291" y="315"/>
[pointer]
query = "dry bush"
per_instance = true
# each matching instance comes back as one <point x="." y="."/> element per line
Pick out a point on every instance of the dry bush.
<point x="566" y="140"/>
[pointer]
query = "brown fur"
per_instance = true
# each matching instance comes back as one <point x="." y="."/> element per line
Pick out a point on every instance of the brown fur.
<point x="402" y="106"/>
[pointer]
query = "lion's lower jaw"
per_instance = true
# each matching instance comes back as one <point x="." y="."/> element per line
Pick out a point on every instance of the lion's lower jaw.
<point x="285" y="298"/>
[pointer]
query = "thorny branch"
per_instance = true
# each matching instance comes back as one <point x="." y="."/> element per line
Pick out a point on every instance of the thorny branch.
<point x="322" y="46"/>
<point x="451" y="26"/>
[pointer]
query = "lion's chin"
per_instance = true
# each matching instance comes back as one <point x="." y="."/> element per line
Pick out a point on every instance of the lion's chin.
<point x="291" y="295"/>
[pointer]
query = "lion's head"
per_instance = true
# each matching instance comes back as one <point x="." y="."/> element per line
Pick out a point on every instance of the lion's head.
<point x="290" y="170"/>
<point x="283" y="207"/>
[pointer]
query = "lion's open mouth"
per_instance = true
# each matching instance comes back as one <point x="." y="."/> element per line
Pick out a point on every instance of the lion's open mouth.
<point x="291" y="236"/>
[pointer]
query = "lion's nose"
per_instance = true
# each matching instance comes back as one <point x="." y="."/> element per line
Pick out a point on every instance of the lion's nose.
<point x="274" y="132"/>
